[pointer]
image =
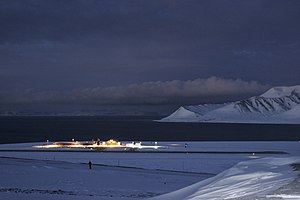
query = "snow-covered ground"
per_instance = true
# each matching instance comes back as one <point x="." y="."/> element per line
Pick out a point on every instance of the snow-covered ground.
<point x="226" y="171"/>
<point x="246" y="180"/>
<point x="38" y="179"/>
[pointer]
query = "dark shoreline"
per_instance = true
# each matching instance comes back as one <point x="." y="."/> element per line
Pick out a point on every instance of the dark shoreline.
<point x="154" y="151"/>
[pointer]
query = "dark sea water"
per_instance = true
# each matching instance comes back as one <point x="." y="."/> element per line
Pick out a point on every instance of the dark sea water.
<point x="27" y="129"/>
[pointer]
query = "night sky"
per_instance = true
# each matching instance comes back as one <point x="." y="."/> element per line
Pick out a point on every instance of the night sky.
<point x="146" y="52"/>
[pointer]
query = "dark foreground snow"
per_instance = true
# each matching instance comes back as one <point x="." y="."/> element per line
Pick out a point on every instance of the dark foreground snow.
<point x="39" y="179"/>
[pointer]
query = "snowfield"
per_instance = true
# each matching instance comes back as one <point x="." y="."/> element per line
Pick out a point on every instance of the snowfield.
<point x="38" y="179"/>
<point x="247" y="179"/>
<point x="216" y="170"/>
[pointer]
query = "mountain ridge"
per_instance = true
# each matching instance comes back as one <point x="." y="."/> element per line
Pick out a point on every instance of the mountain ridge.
<point x="277" y="105"/>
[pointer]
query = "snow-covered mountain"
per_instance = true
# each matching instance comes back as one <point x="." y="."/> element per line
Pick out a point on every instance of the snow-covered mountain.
<point x="277" y="105"/>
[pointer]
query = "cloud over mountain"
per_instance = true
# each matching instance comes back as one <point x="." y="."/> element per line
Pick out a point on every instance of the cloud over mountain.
<point x="210" y="90"/>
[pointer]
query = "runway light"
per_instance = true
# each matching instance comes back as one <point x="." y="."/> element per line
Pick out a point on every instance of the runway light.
<point x="111" y="144"/>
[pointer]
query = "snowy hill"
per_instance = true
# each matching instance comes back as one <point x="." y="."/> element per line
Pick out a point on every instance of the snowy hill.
<point x="277" y="105"/>
<point x="261" y="178"/>
<point x="193" y="113"/>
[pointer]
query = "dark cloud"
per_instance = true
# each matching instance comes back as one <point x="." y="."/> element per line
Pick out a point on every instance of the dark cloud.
<point x="170" y="92"/>
<point x="219" y="21"/>
<point x="62" y="45"/>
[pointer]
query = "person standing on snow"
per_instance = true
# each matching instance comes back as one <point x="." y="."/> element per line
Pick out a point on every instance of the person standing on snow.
<point x="90" y="165"/>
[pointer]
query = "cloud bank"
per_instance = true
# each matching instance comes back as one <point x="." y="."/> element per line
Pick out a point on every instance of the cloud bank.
<point x="210" y="90"/>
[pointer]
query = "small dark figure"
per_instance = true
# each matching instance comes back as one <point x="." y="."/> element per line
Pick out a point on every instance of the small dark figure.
<point x="185" y="145"/>
<point x="90" y="165"/>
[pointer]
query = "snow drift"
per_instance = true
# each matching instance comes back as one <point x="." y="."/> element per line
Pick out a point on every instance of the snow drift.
<point x="248" y="179"/>
<point x="277" y="105"/>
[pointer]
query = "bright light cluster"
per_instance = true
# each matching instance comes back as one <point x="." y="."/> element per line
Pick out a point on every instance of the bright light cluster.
<point x="98" y="145"/>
